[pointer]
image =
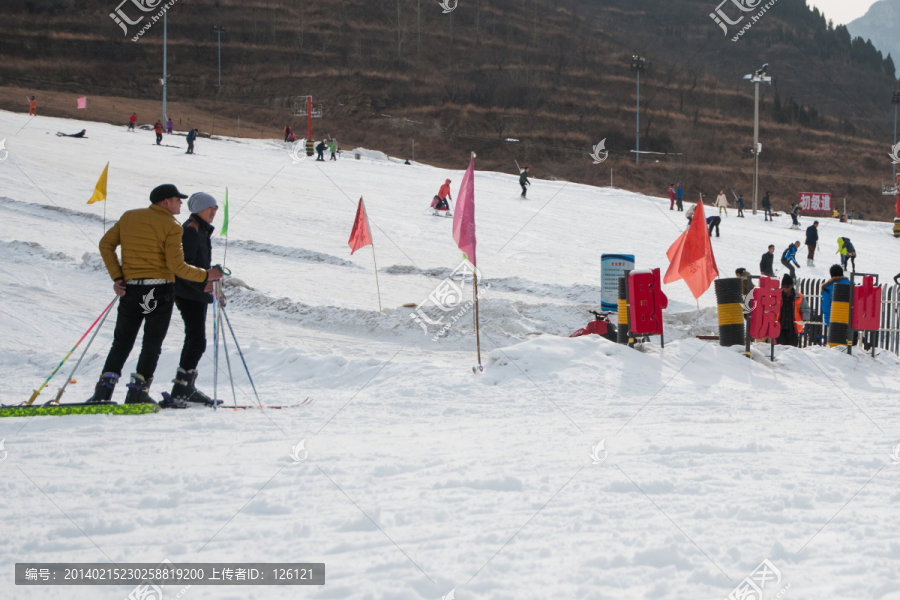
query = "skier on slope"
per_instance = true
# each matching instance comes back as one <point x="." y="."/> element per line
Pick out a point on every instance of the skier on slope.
<point x="191" y="138"/>
<point x="523" y="181"/>
<point x="672" y="194"/>
<point x="169" y="126"/>
<point x="767" y="207"/>
<point x="440" y="201"/>
<point x="679" y="197"/>
<point x="132" y="120"/>
<point x="158" y="129"/>
<point x="689" y="215"/>
<point x="320" y="150"/>
<point x="145" y="282"/>
<point x="795" y="216"/>
<point x="333" y="148"/>
<point x="847" y="252"/>
<point x="193" y="298"/>
<point x="713" y="222"/>
<point x="790" y="255"/>
<point x="740" y="206"/>
<point x="722" y="203"/>
<point x="765" y="263"/>
<point x="812" y="239"/>
<point x="287" y="132"/>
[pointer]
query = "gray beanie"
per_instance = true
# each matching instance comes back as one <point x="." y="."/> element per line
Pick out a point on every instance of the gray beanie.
<point x="201" y="201"/>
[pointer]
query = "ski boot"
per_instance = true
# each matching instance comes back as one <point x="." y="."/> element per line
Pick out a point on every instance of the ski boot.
<point x="103" y="391"/>
<point x="138" y="389"/>
<point x="184" y="390"/>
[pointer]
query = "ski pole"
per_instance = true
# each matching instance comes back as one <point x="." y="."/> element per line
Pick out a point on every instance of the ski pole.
<point x="241" y="354"/>
<point x="227" y="359"/>
<point x="75" y="347"/>
<point x="215" y="347"/>
<point x="62" y="390"/>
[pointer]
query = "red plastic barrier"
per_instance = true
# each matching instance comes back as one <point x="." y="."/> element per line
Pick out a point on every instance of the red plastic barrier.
<point x="866" y="305"/>
<point x="765" y="308"/>
<point x="646" y="302"/>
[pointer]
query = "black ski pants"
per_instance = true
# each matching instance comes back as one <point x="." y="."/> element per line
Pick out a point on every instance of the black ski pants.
<point x="524" y="189"/>
<point x="158" y="138"/>
<point x="193" y="313"/>
<point x="790" y="268"/>
<point x="150" y="305"/>
<point x="190" y="149"/>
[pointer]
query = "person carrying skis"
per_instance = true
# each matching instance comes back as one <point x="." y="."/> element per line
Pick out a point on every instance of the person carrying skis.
<point x="713" y="222"/>
<point x="287" y="133"/>
<point x="795" y="216"/>
<point x="169" y="126"/>
<point x="837" y="276"/>
<point x="440" y="201"/>
<point x="332" y="147"/>
<point x="765" y="263"/>
<point x="145" y="283"/>
<point x="679" y="196"/>
<point x="132" y="120"/>
<point x="740" y="206"/>
<point x="847" y="252"/>
<point x="672" y="197"/>
<point x="812" y="240"/>
<point x="193" y="298"/>
<point x="790" y="255"/>
<point x="191" y="138"/>
<point x="158" y="129"/>
<point x="523" y="181"/>
<point x="320" y="149"/>
<point x="790" y="315"/>
<point x="722" y="203"/>
<point x="767" y="207"/>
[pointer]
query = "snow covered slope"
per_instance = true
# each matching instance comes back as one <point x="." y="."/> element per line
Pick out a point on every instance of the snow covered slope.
<point x="422" y="477"/>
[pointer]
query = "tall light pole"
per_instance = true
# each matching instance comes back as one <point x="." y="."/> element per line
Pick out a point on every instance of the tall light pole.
<point x="895" y="101"/>
<point x="757" y="77"/>
<point x="219" y="31"/>
<point x="637" y="65"/>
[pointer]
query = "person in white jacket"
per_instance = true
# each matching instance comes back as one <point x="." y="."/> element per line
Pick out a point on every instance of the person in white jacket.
<point x="722" y="202"/>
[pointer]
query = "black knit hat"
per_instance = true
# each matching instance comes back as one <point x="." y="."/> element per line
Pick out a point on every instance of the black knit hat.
<point x="166" y="190"/>
<point x="787" y="280"/>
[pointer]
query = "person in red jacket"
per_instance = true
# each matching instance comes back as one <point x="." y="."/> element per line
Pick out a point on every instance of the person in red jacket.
<point x="158" y="129"/>
<point x="440" y="201"/>
<point x="287" y="133"/>
<point x="672" y="197"/>
<point x="131" y="121"/>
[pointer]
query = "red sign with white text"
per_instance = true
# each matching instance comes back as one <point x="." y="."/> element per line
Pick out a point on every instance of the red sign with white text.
<point x="813" y="202"/>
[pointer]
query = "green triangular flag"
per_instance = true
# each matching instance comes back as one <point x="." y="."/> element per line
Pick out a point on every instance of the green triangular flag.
<point x="224" y="231"/>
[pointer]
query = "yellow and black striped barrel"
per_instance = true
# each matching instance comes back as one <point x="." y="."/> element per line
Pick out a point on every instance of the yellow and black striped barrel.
<point x="729" y="296"/>
<point x="839" y="330"/>
<point x="623" y="332"/>
<point x="310" y="147"/>
<point x="896" y="227"/>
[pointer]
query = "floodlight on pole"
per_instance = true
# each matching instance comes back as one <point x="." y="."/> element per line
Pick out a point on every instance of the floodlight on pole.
<point x="637" y="65"/>
<point x="756" y="78"/>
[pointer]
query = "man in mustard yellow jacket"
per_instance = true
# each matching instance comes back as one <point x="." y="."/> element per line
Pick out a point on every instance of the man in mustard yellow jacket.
<point x="145" y="281"/>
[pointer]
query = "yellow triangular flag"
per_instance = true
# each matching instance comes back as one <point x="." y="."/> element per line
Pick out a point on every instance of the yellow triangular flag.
<point x="100" y="190"/>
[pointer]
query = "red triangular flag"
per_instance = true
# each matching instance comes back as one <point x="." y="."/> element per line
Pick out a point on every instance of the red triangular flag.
<point x="691" y="256"/>
<point x="360" y="236"/>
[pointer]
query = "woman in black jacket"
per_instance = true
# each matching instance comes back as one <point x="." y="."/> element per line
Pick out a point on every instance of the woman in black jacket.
<point x="193" y="299"/>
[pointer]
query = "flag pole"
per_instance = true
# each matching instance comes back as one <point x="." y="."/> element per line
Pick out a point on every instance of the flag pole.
<point x="477" y="321"/>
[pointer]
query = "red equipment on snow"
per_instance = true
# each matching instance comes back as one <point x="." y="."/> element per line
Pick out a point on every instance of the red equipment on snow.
<point x="601" y="325"/>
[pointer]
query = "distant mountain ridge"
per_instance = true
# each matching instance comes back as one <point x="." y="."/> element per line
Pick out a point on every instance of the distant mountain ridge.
<point x="881" y="25"/>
